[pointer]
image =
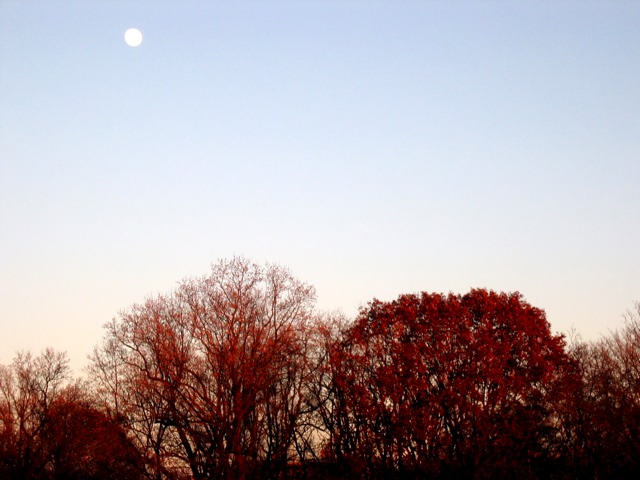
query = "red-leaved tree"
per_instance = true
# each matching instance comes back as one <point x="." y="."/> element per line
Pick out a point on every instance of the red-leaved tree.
<point x="445" y="383"/>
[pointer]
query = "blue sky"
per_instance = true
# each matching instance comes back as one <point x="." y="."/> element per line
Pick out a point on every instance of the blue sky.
<point x="374" y="148"/>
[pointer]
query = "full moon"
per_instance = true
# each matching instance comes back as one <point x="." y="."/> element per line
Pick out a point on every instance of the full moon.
<point x="133" y="37"/>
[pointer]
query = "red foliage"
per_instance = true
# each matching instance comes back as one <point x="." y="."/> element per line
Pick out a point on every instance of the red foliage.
<point x="432" y="380"/>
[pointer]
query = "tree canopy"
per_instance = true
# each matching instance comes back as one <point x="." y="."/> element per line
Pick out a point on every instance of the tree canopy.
<point x="433" y="382"/>
<point x="235" y="375"/>
<point x="212" y="376"/>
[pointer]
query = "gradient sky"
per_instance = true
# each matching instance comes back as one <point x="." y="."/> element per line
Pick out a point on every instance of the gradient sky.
<point x="373" y="147"/>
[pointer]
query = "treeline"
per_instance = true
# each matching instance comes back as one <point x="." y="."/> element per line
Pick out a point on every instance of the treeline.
<point x="235" y="375"/>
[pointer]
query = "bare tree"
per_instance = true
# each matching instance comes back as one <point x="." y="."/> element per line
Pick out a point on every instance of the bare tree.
<point x="601" y="417"/>
<point x="213" y="376"/>
<point x="50" y="429"/>
<point x="27" y="389"/>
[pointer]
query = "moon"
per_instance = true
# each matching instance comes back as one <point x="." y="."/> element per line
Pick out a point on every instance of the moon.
<point x="133" y="37"/>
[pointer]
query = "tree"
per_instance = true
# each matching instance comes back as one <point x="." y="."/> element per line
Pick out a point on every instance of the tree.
<point x="49" y="428"/>
<point x="601" y="418"/>
<point x="28" y="387"/>
<point x="625" y="350"/>
<point x="213" y="377"/>
<point x="436" y="383"/>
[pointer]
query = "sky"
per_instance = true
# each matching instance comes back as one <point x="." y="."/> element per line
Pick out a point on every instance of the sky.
<point x="374" y="148"/>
